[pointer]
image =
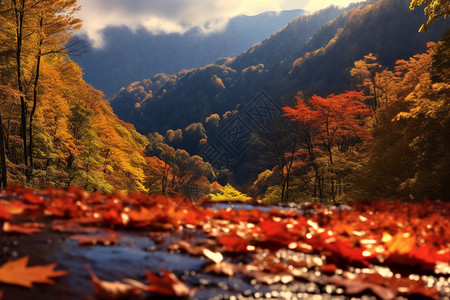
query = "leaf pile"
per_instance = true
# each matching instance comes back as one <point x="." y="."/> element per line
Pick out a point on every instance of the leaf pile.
<point x="388" y="242"/>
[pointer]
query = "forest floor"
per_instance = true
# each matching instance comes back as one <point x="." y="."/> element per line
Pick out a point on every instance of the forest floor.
<point x="174" y="248"/>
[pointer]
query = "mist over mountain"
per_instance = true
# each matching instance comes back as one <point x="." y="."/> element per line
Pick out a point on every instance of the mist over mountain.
<point x="129" y="56"/>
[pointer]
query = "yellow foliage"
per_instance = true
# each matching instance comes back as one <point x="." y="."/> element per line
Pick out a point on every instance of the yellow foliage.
<point x="229" y="193"/>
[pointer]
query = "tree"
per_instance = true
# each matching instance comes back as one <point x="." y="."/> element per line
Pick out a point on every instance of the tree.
<point x="6" y="93"/>
<point x="280" y="140"/>
<point x="407" y="157"/>
<point x="365" y="72"/>
<point x="3" y="173"/>
<point x="56" y="22"/>
<point x="434" y="9"/>
<point x="330" y="126"/>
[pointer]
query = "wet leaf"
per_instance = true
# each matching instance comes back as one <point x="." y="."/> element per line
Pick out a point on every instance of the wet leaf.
<point x="31" y="198"/>
<point x="215" y="257"/>
<point x="16" y="272"/>
<point x="72" y="227"/>
<point x="110" y="237"/>
<point x="111" y="290"/>
<point x="24" y="228"/>
<point x="355" y="286"/>
<point x="234" y="243"/>
<point x="223" y="268"/>
<point x="168" y="285"/>
<point x="4" y="214"/>
<point x="270" y="278"/>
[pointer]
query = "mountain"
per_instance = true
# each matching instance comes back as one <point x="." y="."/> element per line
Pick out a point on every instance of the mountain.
<point x="312" y="53"/>
<point x="130" y="56"/>
<point x="177" y="100"/>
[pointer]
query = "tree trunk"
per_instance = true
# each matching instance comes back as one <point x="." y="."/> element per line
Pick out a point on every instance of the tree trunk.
<point x="33" y="110"/>
<point x="4" y="181"/>
<point x="19" y="14"/>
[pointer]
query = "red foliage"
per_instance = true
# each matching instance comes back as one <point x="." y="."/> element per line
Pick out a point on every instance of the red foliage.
<point x="377" y="233"/>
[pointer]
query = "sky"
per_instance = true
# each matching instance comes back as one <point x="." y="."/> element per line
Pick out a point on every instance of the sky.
<point x="179" y="16"/>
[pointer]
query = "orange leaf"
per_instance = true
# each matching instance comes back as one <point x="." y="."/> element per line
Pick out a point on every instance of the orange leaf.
<point x="16" y="272"/>
<point x="4" y="215"/>
<point x="111" y="290"/>
<point x="356" y="286"/>
<point x="168" y="285"/>
<point x="223" y="267"/>
<point x="234" y="243"/>
<point x="32" y="198"/>
<point x="100" y="239"/>
<point x="24" y="228"/>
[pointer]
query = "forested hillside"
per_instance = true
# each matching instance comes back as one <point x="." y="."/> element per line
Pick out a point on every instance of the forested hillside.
<point x="57" y="129"/>
<point x="312" y="53"/>
<point x="175" y="101"/>
<point x="128" y="56"/>
<point x="197" y="110"/>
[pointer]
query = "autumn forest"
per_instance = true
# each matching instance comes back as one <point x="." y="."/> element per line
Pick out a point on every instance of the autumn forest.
<point x="319" y="151"/>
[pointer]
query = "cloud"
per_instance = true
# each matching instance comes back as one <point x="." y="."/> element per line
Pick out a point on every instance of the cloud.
<point x="178" y="16"/>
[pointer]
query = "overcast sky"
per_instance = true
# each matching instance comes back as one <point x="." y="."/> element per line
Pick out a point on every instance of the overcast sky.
<point x="178" y="16"/>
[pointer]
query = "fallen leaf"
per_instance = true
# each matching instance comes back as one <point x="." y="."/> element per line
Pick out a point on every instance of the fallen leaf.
<point x="4" y="214"/>
<point x="403" y="285"/>
<point x="16" y="272"/>
<point x="234" y="243"/>
<point x="356" y="286"/>
<point x="186" y="246"/>
<point x="328" y="269"/>
<point x="12" y="207"/>
<point x="110" y="238"/>
<point x="31" y="198"/>
<point x="111" y="290"/>
<point x="223" y="268"/>
<point x="73" y="227"/>
<point x="270" y="278"/>
<point x="216" y="257"/>
<point x="168" y="285"/>
<point x="24" y="228"/>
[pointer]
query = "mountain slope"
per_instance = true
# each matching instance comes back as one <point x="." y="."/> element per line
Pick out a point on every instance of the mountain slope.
<point x="190" y="96"/>
<point x="311" y="53"/>
<point x="129" y="56"/>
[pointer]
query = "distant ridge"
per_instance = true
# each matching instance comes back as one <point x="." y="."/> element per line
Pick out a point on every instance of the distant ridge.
<point x="130" y="56"/>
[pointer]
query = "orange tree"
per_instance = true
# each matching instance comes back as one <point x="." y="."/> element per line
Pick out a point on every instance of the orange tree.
<point x="331" y="128"/>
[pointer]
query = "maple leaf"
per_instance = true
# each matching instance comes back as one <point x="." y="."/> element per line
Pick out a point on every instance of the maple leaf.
<point x="16" y="272"/>
<point x="8" y="208"/>
<point x="234" y="243"/>
<point x="72" y="227"/>
<point x="197" y="250"/>
<point x="24" y="228"/>
<point x="112" y="217"/>
<point x="224" y="268"/>
<point x="32" y="198"/>
<point x="356" y="286"/>
<point x="168" y="285"/>
<point x="111" y="290"/>
<point x="143" y="217"/>
<point x="108" y="239"/>
<point x="270" y="278"/>
<point x="275" y="232"/>
<point x="215" y="257"/>
<point x="186" y="246"/>
<point x="4" y="215"/>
